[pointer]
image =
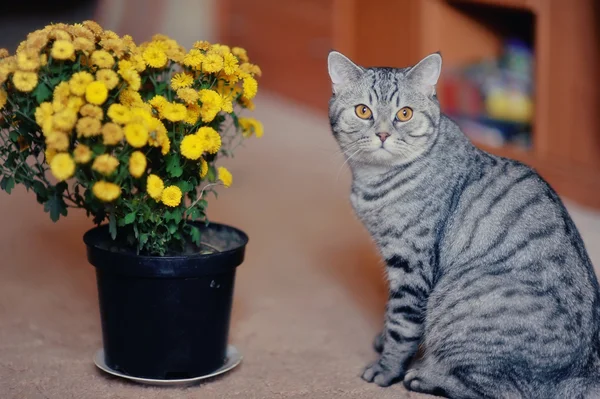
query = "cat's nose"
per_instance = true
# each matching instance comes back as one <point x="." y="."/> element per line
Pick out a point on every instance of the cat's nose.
<point x="382" y="136"/>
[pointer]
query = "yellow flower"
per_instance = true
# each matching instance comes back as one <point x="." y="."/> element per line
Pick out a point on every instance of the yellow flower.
<point x="249" y="69"/>
<point x="82" y="154"/>
<point x="212" y="63"/>
<point x="112" y="134"/>
<point x="138" y="62"/>
<point x="171" y="196"/>
<point x="181" y="80"/>
<point x="158" y="102"/>
<point x="119" y="113"/>
<point x="251" y="126"/>
<point x="192" y="146"/>
<point x="240" y="53"/>
<point x="136" y="134"/>
<point x="25" y="81"/>
<point x="62" y="50"/>
<point x="133" y="79"/>
<point x="102" y="59"/>
<point x="93" y="111"/>
<point x="225" y="176"/>
<point x="155" y="187"/>
<point x="62" y="166"/>
<point x="96" y="93"/>
<point x="108" y="77"/>
<point x="165" y="145"/>
<point x="250" y="87"/>
<point x="43" y="113"/>
<point x="75" y="103"/>
<point x="65" y="120"/>
<point x="211" y="138"/>
<point x="3" y="99"/>
<point x="61" y="95"/>
<point x="115" y="45"/>
<point x="189" y="95"/>
<point x="226" y="104"/>
<point x="88" y="127"/>
<point x="201" y="45"/>
<point x="59" y="34"/>
<point x="105" y="164"/>
<point x="83" y="44"/>
<point x="50" y="153"/>
<point x="247" y="103"/>
<point x="130" y="97"/>
<point x="174" y="112"/>
<point x="137" y="164"/>
<point x="155" y="57"/>
<point x="193" y="59"/>
<point x="230" y="64"/>
<point x="193" y="113"/>
<point x="203" y="168"/>
<point x="58" y="141"/>
<point x="220" y="49"/>
<point x="211" y="104"/>
<point x="79" y="82"/>
<point x="28" y="60"/>
<point x="4" y="53"/>
<point x="125" y="65"/>
<point x="106" y="191"/>
<point x="93" y="26"/>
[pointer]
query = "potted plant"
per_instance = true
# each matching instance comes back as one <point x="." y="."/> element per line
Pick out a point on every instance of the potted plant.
<point x="131" y="134"/>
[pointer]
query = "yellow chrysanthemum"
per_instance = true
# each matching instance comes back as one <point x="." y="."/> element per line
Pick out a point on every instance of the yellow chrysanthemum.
<point x="251" y="126"/>
<point x="59" y="34"/>
<point x="189" y="95"/>
<point x="226" y="104"/>
<point x="60" y="96"/>
<point x="4" y="53"/>
<point x="112" y="134"/>
<point x="50" y="153"/>
<point x="181" y="80"/>
<point x="62" y="50"/>
<point x="4" y="98"/>
<point x="158" y="102"/>
<point x="125" y="65"/>
<point x="105" y="164"/>
<point x="102" y="59"/>
<point x="221" y="49"/>
<point x="106" y="191"/>
<point x="43" y="113"/>
<point x="155" y="187"/>
<point x="203" y="168"/>
<point x="119" y="113"/>
<point x="136" y="135"/>
<point x="193" y="113"/>
<point x="88" y="127"/>
<point x="230" y="64"/>
<point x="249" y="69"/>
<point x="240" y="53"/>
<point x="82" y="154"/>
<point x="133" y="79"/>
<point x="225" y="176"/>
<point x="250" y="87"/>
<point x="137" y="164"/>
<point x="171" y="196"/>
<point x="79" y="82"/>
<point x="201" y="45"/>
<point x="138" y="62"/>
<point x="212" y="63"/>
<point x="211" y="139"/>
<point x="28" y="60"/>
<point x="192" y="146"/>
<point x="96" y="93"/>
<point x="93" y="111"/>
<point x="62" y="166"/>
<point x="65" y="120"/>
<point x="115" y="45"/>
<point x="211" y="104"/>
<point x="193" y="59"/>
<point x="246" y="103"/>
<point x="83" y="44"/>
<point x="25" y="81"/>
<point x="174" y="112"/>
<point x="155" y="57"/>
<point x="58" y="140"/>
<point x="130" y="97"/>
<point x="108" y="77"/>
<point x="75" y="103"/>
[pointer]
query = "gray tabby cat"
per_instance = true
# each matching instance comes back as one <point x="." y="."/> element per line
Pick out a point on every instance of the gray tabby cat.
<point x="485" y="267"/>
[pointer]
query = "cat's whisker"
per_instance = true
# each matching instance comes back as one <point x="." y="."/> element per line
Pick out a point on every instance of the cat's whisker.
<point x="345" y="162"/>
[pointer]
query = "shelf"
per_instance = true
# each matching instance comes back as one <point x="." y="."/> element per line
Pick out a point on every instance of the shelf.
<point x="530" y="5"/>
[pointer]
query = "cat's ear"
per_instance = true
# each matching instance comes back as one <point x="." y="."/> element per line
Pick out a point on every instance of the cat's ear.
<point x="427" y="72"/>
<point x="342" y="70"/>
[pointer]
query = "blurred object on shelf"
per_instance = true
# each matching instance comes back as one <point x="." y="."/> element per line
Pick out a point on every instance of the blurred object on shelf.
<point x="492" y="100"/>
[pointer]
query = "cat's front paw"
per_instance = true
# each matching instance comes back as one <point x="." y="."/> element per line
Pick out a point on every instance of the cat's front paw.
<point x="382" y="375"/>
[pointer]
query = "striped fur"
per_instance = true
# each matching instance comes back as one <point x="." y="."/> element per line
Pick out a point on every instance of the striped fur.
<point x="486" y="269"/>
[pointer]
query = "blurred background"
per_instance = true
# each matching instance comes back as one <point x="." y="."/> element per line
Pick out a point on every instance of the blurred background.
<point x="522" y="77"/>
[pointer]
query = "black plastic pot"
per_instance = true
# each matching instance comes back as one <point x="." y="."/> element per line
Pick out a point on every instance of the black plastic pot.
<point x="166" y="317"/>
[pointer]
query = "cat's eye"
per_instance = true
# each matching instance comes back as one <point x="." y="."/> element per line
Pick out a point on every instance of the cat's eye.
<point x="363" y="112"/>
<point x="404" y="114"/>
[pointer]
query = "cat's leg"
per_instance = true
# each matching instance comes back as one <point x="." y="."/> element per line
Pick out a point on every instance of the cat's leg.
<point x="403" y="325"/>
<point x="433" y="379"/>
<point x="379" y="342"/>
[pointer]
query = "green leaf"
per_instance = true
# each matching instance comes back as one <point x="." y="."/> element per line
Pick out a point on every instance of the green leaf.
<point x="195" y="234"/>
<point x="7" y="184"/>
<point x="14" y="136"/>
<point x="172" y="228"/>
<point x="55" y="206"/>
<point x="112" y="225"/>
<point x="99" y="148"/>
<point x="174" y="215"/>
<point x="196" y="213"/>
<point x="212" y="174"/>
<point x="143" y="238"/>
<point x="42" y="92"/>
<point x="130" y="218"/>
<point x="174" y="166"/>
<point x="185" y="186"/>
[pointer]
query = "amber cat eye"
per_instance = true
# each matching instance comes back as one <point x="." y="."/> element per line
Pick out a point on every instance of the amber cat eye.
<point x="404" y="114"/>
<point x="363" y="112"/>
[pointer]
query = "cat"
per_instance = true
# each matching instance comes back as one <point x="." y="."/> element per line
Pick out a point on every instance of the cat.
<point x="486" y="270"/>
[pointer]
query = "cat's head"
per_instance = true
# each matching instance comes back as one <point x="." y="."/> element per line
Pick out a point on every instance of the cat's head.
<point x="384" y="116"/>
